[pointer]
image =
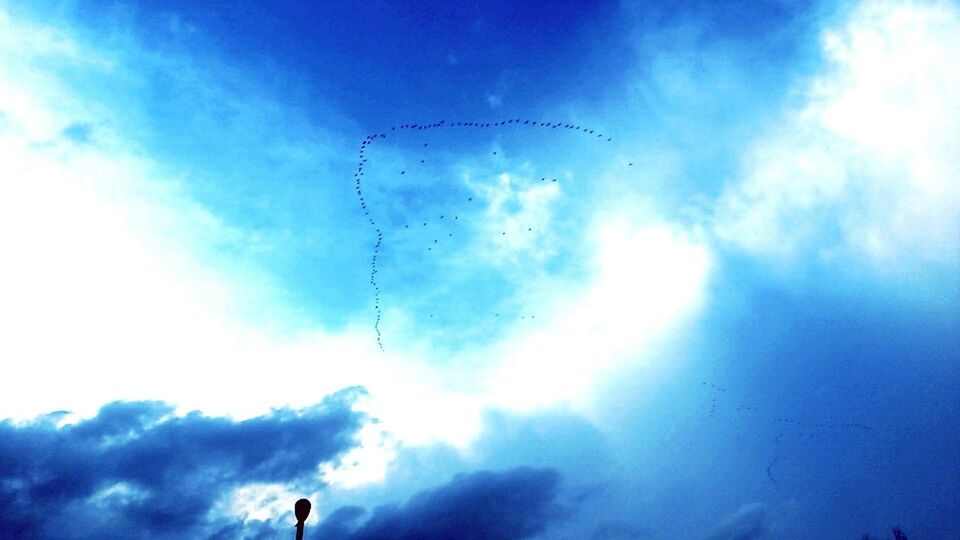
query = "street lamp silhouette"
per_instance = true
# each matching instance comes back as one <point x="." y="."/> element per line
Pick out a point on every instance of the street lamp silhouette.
<point x="301" y="510"/>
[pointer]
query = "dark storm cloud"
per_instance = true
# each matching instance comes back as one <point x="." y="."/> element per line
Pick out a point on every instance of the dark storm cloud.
<point x="514" y="504"/>
<point x="135" y="470"/>
<point x="252" y="530"/>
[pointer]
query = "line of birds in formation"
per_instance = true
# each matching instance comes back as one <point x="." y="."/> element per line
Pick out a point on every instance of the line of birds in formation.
<point x="522" y="317"/>
<point x="358" y="181"/>
<point x="786" y="423"/>
<point x="774" y="459"/>
<point x="512" y="121"/>
<point x="713" y="400"/>
<point x="783" y="419"/>
<point x="379" y="233"/>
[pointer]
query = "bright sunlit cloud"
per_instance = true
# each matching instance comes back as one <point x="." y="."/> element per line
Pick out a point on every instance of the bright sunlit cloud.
<point x="647" y="279"/>
<point x="866" y="167"/>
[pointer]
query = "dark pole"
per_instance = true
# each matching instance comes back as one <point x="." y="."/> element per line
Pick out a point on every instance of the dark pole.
<point x="301" y="510"/>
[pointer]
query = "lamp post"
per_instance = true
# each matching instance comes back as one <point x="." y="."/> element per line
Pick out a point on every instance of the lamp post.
<point x="301" y="510"/>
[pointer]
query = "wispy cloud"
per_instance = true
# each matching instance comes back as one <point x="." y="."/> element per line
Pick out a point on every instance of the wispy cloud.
<point x="747" y="523"/>
<point x="864" y="167"/>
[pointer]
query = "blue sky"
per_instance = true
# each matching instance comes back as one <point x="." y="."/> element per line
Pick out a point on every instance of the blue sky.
<point x="731" y="315"/>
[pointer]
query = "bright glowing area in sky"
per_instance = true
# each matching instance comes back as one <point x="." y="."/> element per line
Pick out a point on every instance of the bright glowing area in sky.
<point x="647" y="278"/>
<point x="592" y="270"/>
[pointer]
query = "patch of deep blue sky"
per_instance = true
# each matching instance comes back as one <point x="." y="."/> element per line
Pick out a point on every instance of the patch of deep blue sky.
<point x="264" y="116"/>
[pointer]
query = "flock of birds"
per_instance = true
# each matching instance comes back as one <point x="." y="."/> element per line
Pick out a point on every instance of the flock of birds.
<point x="362" y="169"/>
<point x="787" y="425"/>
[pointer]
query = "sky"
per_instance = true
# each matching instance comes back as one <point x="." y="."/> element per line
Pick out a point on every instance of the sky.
<point x="482" y="269"/>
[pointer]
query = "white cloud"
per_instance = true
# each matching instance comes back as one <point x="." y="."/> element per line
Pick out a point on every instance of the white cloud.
<point x="647" y="278"/>
<point x="110" y="290"/>
<point x="262" y="502"/>
<point x="867" y="166"/>
<point x="518" y="213"/>
<point x="87" y="276"/>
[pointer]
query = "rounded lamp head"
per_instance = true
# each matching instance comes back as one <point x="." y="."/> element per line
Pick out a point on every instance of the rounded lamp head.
<point x="302" y="510"/>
